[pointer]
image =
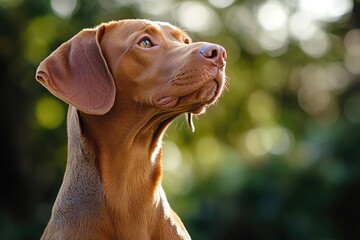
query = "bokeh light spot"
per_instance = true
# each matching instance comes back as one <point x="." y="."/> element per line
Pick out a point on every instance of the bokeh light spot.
<point x="352" y="55"/>
<point x="254" y="142"/>
<point x="277" y="140"/>
<point x="317" y="46"/>
<point x="337" y="78"/>
<point x="172" y="157"/>
<point x="302" y="26"/>
<point x="262" y="106"/>
<point x="35" y="50"/>
<point x="274" y="42"/>
<point x="326" y="10"/>
<point x="50" y="113"/>
<point x="208" y="152"/>
<point x="274" y="139"/>
<point x="272" y="15"/>
<point x="222" y="3"/>
<point x="198" y="17"/>
<point x="313" y="101"/>
<point x="37" y="36"/>
<point x="64" y="8"/>
<point x="42" y="28"/>
<point x="352" y="42"/>
<point x="155" y="7"/>
<point x="178" y="176"/>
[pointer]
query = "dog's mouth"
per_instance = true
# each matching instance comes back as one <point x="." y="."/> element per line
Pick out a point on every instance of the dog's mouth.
<point x="195" y="99"/>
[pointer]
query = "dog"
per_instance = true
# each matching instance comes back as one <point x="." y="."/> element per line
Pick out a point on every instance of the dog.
<point x="125" y="81"/>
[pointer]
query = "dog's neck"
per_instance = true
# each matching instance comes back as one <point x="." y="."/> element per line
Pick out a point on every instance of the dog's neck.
<point x="128" y="152"/>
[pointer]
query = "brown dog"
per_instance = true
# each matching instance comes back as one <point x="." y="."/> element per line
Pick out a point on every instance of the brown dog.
<point x="125" y="82"/>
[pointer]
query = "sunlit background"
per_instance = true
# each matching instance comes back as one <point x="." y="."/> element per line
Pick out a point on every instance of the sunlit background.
<point x="278" y="157"/>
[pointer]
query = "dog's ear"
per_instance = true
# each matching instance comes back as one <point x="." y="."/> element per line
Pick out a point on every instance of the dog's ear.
<point x="78" y="74"/>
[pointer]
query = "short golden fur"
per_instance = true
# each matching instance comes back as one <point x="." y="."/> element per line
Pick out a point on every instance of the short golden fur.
<point x="125" y="81"/>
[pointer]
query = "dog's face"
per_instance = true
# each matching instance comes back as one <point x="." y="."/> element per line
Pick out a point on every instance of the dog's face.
<point x="132" y="63"/>
<point x="158" y="65"/>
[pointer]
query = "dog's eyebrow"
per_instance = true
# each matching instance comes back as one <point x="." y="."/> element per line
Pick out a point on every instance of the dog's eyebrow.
<point x="152" y="29"/>
<point x="176" y="34"/>
<point x="180" y="35"/>
<point x="173" y="32"/>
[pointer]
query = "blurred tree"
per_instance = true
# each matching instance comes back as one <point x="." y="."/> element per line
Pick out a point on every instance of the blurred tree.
<point x="276" y="158"/>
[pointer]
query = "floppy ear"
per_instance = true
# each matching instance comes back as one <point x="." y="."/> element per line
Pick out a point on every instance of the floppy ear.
<point x="78" y="74"/>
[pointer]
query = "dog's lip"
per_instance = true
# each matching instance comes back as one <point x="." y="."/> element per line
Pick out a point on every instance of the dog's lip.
<point x="171" y="101"/>
<point x="167" y="102"/>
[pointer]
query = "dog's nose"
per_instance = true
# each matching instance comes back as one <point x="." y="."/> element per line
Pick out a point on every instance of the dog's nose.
<point x="214" y="52"/>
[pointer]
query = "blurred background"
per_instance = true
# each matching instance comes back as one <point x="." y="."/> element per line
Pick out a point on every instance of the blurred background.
<point x="278" y="157"/>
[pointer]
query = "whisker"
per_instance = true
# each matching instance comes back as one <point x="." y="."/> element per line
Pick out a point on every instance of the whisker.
<point x="182" y="125"/>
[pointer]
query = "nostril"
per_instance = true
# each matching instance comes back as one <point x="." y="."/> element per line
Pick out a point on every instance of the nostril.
<point x="213" y="53"/>
<point x="210" y="51"/>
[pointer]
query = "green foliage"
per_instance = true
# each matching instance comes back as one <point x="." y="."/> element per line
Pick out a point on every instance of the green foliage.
<point x="276" y="158"/>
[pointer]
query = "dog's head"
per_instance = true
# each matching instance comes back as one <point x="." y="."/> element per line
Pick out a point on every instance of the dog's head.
<point x="132" y="63"/>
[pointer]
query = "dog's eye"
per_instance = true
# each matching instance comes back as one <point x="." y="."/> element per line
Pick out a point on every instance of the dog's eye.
<point x="187" y="41"/>
<point x="146" y="43"/>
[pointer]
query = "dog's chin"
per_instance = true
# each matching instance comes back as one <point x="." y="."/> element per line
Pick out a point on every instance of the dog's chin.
<point x="197" y="101"/>
<point x="194" y="102"/>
